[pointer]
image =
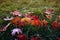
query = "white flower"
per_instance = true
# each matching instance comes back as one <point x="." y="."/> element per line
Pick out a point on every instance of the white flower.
<point x="7" y="18"/>
<point x="16" y="30"/>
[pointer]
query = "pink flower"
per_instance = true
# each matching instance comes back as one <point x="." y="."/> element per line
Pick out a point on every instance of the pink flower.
<point x="16" y="13"/>
<point x="49" y="11"/>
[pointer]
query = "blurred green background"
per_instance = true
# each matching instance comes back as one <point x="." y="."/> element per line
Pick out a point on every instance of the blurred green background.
<point x="6" y="6"/>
